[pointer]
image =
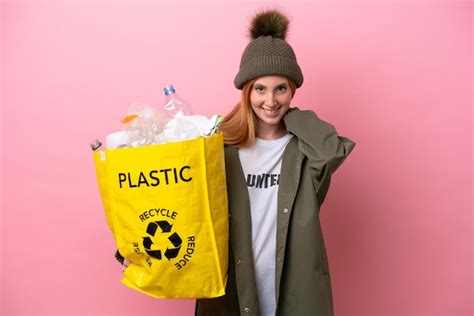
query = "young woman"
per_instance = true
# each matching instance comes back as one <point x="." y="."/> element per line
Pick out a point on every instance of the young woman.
<point x="279" y="162"/>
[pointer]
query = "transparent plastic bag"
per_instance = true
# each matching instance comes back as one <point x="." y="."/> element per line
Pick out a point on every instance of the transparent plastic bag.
<point x="143" y="123"/>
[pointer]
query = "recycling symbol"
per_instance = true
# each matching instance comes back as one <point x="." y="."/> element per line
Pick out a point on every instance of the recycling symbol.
<point x="174" y="238"/>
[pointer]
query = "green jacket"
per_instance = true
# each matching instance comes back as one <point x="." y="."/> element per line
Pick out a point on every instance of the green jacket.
<point x="303" y="285"/>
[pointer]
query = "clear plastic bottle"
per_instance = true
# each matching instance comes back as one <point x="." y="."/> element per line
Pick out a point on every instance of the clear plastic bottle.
<point x="174" y="104"/>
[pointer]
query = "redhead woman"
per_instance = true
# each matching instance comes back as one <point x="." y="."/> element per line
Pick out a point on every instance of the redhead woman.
<point x="279" y="162"/>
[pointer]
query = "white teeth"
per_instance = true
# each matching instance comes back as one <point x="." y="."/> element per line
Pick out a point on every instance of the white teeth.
<point x="271" y="111"/>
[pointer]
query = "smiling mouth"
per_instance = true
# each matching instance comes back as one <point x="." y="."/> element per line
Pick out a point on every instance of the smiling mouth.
<point x="271" y="111"/>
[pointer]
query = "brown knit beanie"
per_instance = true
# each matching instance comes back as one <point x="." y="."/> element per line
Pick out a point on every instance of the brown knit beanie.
<point x="268" y="54"/>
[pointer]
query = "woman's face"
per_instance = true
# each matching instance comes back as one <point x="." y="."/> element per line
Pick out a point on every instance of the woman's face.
<point x="270" y="99"/>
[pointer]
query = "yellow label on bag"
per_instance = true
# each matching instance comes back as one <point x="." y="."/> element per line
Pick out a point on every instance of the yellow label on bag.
<point x="167" y="208"/>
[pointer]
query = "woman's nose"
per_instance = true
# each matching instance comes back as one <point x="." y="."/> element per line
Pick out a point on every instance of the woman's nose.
<point x="270" y="99"/>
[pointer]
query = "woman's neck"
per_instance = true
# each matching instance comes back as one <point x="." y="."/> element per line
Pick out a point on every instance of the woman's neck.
<point x="269" y="132"/>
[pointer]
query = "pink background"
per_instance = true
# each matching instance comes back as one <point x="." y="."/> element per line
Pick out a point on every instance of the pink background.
<point x="396" y="77"/>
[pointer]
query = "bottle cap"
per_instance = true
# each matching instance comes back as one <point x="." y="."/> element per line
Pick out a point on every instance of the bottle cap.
<point x="169" y="90"/>
<point x="96" y="144"/>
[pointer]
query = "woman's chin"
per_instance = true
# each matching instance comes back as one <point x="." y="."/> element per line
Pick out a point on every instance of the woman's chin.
<point x="271" y="121"/>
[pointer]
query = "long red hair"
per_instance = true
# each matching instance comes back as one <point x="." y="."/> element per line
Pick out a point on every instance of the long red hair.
<point x="239" y="127"/>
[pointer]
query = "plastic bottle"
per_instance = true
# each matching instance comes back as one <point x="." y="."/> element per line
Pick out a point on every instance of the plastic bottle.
<point x="174" y="104"/>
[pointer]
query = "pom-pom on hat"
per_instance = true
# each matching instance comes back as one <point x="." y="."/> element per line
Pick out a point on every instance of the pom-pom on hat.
<point x="268" y="54"/>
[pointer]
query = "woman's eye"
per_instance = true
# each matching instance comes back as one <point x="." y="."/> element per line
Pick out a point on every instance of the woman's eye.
<point x="259" y="89"/>
<point x="281" y="89"/>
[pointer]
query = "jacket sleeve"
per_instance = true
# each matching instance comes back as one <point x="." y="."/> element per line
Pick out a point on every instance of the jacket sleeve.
<point x="320" y="143"/>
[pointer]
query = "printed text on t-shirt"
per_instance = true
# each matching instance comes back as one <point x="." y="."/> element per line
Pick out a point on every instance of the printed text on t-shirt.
<point x="263" y="180"/>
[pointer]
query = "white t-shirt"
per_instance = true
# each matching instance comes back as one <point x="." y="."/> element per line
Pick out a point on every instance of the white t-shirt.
<point x="261" y="164"/>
